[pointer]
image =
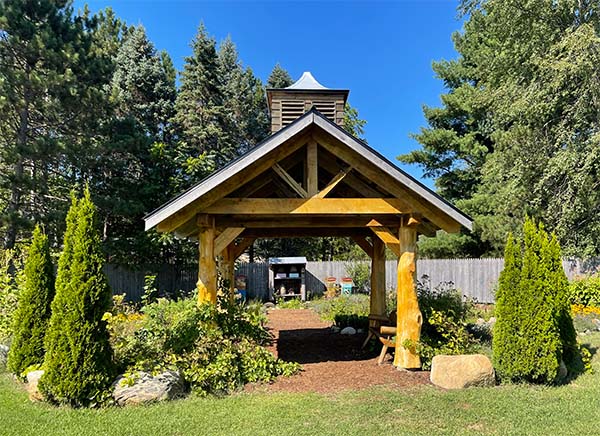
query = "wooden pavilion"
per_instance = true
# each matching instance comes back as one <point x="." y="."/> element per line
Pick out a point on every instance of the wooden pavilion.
<point x="312" y="178"/>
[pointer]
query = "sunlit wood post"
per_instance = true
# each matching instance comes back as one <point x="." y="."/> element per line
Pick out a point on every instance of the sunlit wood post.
<point x="409" y="316"/>
<point x="378" y="302"/>
<point x="207" y="266"/>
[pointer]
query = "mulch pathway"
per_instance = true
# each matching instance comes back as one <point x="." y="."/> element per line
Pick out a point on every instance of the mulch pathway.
<point x="330" y="362"/>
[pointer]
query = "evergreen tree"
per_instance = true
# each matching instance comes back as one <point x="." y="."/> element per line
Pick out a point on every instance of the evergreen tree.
<point x="78" y="361"/>
<point x="33" y="311"/>
<point x="534" y="331"/>
<point x="279" y="77"/>
<point x="204" y="140"/>
<point x="49" y="82"/>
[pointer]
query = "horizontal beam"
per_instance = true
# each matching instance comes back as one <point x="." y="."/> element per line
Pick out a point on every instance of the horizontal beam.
<point x="305" y="233"/>
<point x="278" y="221"/>
<point x="309" y="206"/>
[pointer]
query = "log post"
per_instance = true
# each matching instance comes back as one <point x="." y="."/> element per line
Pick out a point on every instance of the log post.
<point x="409" y="316"/>
<point x="377" y="301"/>
<point x="207" y="266"/>
<point x="228" y="270"/>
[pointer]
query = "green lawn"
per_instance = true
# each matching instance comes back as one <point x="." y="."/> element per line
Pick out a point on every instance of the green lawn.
<point x="518" y="410"/>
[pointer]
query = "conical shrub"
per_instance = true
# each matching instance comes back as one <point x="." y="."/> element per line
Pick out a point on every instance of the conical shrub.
<point x="534" y="329"/>
<point x="78" y="362"/>
<point x="33" y="310"/>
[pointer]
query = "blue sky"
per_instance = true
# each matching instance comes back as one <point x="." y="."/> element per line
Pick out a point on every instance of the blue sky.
<point x="381" y="51"/>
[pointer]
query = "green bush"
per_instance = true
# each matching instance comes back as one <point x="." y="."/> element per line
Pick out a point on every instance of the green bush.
<point x="360" y="273"/>
<point x="217" y="348"/>
<point x="534" y="329"/>
<point x="78" y="362"/>
<point x="328" y="309"/>
<point x="444" y="329"/>
<point x="9" y="291"/>
<point x="585" y="291"/>
<point x="33" y="312"/>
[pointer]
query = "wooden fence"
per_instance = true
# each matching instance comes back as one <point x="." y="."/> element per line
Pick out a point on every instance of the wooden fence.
<point x="475" y="278"/>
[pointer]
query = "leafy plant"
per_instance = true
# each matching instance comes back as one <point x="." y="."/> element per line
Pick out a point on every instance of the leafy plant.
<point x="360" y="273"/>
<point x="444" y="329"/>
<point x="217" y="348"/>
<point x="585" y="291"/>
<point x="328" y="309"/>
<point x="33" y="312"/>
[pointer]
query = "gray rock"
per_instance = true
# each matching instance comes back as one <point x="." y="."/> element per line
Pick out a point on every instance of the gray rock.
<point x="269" y="305"/>
<point x="462" y="371"/>
<point x="3" y="355"/>
<point x="144" y="388"/>
<point x="348" y="331"/>
<point x="360" y="331"/>
<point x="562" y="371"/>
<point x="33" y="378"/>
<point x="335" y="329"/>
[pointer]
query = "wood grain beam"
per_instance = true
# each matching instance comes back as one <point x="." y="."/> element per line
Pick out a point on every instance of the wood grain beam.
<point x="238" y="249"/>
<point x="332" y="184"/>
<point x="388" y="238"/>
<point x="312" y="167"/>
<point x="364" y="243"/>
<point x="232" y="183"/>
<point x="300" y="233"/>
<point x="309" y="206"/>
<point x="278" y="221"/>
<point x="227" y="237"/>
<point x="412" y="201"/>
<point x="290" y="181"/>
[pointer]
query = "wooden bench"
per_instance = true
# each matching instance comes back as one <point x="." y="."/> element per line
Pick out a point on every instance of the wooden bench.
<point x="386" y="336"/>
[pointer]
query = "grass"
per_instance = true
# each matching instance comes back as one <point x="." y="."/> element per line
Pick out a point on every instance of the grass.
<point x="573" y="409"/>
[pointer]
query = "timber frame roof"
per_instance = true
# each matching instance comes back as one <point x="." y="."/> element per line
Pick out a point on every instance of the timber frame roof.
<point x="183" y="209"/>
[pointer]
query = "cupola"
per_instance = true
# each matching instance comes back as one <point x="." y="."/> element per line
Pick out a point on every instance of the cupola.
<point x="288" y="104"/>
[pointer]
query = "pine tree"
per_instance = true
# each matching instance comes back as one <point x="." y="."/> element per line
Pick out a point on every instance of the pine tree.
<point x="33" y="311"/>
<point x="204" y="140"/>
<point x="279" y="77"/>
<point x="78" y="361"/>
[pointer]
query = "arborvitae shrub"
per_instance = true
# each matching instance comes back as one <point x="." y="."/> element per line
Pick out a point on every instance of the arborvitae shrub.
<point x="33" y="311"/>
<point x="78" y="363"/>
<point x="534" y="329"/>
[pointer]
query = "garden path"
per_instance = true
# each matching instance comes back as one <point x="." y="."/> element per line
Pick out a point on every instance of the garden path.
<point x="330" y="362"/>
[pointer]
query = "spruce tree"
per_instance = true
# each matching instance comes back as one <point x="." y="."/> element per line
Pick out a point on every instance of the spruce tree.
<point x="78" y="361"/>
<point x="204" y="139"/>
<point x="33" y="311"/>
<point x="279" y="77"/>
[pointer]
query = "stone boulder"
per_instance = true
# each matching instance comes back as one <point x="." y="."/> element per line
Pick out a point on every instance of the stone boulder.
<point x="462" y="371"/>
<point x="144" y="388"/>
<point x="348" y="331"/>
<point x="3" y="355"/>
<point x="33" y="377"/>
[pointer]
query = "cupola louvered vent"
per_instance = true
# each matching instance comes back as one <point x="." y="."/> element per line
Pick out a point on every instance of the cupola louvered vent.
<point x="288" y="104"/>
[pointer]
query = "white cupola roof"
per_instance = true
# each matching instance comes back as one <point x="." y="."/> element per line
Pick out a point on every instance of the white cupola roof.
<point x="307" y="81"/>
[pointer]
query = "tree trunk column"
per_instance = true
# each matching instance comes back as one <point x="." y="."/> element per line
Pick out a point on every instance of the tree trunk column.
<point x="207" y="266"/>
<point x="228" y="271"/>
<point x="377" y="301"/>
<point x="409" y="316"/>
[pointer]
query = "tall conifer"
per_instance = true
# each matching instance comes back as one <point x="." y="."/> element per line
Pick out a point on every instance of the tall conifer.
<point x="78" y="361"/>
<point x="33" y="312"/>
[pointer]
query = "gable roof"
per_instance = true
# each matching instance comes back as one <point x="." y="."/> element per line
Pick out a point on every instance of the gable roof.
<point x="310" y="118"/>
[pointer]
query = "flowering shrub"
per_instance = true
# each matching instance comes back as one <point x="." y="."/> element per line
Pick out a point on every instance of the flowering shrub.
<point x="217" y="348"/>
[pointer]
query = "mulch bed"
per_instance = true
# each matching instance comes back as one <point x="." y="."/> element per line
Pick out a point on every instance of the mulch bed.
<point x="331" y="362"/>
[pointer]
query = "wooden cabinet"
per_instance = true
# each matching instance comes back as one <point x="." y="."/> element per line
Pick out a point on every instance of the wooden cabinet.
<point x="287" y="277"/>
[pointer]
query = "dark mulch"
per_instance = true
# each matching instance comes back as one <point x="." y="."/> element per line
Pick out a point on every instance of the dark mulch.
<point x="330" y="362"/>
